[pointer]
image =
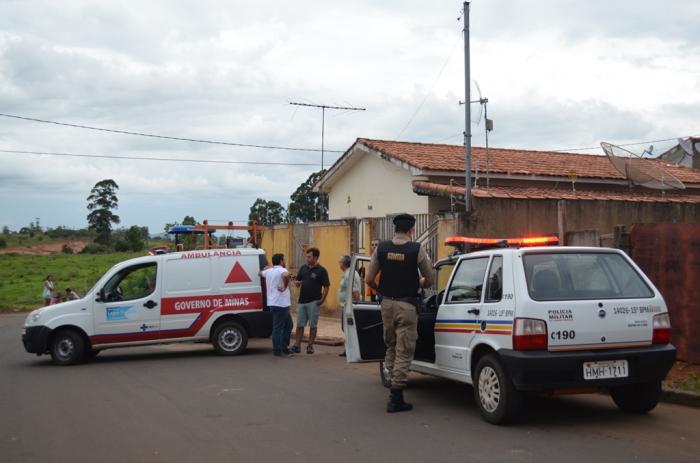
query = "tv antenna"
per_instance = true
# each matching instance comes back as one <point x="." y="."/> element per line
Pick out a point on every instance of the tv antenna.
<point x="323" y="118"/>
<point x="639" y="170"/>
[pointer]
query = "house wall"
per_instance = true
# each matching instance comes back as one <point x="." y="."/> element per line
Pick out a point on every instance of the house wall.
<point x="378" y="184"/>
<point x="514" y="217"/>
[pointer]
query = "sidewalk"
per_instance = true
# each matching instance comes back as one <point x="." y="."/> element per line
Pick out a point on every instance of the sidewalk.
<point x="329" y="332"/>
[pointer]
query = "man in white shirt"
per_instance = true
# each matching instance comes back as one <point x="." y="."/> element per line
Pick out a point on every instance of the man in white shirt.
<point x="279" y="301"/>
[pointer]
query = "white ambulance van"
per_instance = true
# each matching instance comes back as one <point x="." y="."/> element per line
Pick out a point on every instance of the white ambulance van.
<point x="510" y="321"/>
<point x="205" y="296"/>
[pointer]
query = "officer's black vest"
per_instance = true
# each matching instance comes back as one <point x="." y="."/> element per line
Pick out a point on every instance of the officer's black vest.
<point x="399" y="266"/>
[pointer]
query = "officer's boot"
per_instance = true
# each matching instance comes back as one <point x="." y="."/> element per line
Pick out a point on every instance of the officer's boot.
<point x="396" y="402"/>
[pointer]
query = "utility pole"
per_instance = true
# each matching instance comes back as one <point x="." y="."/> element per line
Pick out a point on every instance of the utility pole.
<point x="323" y="119"/>
<point x="467" y="117"/>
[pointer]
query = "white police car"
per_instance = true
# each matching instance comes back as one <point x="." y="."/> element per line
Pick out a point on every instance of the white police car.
<point x="510" y="320"/>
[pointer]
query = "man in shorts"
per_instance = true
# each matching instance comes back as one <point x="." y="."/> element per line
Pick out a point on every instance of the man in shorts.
<point x="314" y="283"/>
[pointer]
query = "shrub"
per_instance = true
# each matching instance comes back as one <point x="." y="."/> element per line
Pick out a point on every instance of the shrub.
<point x="121" y="245"/>
<point x="3" y="243"/>
<point x="66" y="249"/>
<point x="95" y="248"/>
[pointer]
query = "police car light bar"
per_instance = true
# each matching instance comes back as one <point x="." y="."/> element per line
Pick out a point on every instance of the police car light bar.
<point x="470" y="244"/>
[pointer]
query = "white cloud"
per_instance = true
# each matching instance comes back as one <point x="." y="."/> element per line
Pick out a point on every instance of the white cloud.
<point x="558" y="74"/>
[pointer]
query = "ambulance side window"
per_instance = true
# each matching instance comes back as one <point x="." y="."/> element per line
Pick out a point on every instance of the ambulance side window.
<point x="132" y="283"/>
<point x="468" y="281"/>
<point x="494" y="282"/>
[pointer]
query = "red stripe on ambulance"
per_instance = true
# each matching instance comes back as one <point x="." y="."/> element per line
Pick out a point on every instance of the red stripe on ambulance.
<point x="219" y="302"/>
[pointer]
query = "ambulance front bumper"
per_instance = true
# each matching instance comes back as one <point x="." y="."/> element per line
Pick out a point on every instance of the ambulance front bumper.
<point x="543" y="370"/>
<point x="36" y="339"/>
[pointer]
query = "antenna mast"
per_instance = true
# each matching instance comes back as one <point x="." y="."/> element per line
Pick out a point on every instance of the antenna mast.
<point x="323" y="119"/>
<point x="467" y="116"/>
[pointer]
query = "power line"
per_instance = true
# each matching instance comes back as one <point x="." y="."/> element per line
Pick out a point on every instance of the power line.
<point x="425" y="98"/>
<point x="166" y="137"/>
<point x="625" y="144"/>
<point x="143" y="158"/>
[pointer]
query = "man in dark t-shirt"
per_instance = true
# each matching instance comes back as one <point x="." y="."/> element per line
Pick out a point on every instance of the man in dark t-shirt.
<point x="314" y="283"/>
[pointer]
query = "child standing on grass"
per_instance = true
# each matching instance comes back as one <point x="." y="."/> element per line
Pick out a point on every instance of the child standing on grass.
<point x="48" y="292"/>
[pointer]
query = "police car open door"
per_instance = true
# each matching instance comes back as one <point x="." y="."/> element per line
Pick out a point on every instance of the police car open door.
<point x="362" y="318"/>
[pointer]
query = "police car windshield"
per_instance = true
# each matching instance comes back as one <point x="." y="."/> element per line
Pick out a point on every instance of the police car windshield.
<point x="557" y="276"/>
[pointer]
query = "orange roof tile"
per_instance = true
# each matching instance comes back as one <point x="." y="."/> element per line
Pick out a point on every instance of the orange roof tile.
<point x="438" y="157"/>
<point x="501" y="192"/>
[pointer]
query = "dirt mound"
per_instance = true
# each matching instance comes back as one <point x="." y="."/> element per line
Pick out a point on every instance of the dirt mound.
<point x="46" y="248"/>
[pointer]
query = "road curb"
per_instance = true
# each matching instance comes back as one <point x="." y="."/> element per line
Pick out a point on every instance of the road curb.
<point x="679" y="397"/>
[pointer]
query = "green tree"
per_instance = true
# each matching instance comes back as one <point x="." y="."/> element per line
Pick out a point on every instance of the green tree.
<point x="308" y="205"/>
<point x="266" y="212"/>
<point x="102" y="200"/>
<point x="134" y="238"/>
<point x="6" y="230"/>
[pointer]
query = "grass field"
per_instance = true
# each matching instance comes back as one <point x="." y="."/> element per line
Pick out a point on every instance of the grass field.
<point x="22" y="276"/>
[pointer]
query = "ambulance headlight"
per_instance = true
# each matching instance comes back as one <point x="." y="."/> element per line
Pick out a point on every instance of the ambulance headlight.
<point x="36" y="316"/>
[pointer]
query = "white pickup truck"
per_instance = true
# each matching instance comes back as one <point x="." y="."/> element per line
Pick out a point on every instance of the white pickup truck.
<point x="515" y="320"/>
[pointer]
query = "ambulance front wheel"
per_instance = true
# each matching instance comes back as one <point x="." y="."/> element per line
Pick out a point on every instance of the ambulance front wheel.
<point x="637" y="398"/>
<point x="230" y="338"/>
<point x="67" y="347"/>
<point x="495" y="395"/>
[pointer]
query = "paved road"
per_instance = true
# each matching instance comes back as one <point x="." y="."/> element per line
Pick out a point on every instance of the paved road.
<point x="184" y="404"/>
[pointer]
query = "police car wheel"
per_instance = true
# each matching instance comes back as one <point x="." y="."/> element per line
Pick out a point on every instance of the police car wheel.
<point x="498" y="400"/>
<point x="67" y="348"/>
<point x="230" y="338"/>
<point x="637" y="398"/>
<point x="384" y="375"/>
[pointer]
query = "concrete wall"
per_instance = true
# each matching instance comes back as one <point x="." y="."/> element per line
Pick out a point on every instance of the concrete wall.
<point x="514" y="217"/>
<point x="374" y="183"/>
<point x="331" y="238"/>
<point x="670" y="256"/>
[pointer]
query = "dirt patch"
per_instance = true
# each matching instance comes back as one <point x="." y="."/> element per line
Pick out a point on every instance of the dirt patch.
<point x="46" y="248"/>
<point x="684" y="376"/>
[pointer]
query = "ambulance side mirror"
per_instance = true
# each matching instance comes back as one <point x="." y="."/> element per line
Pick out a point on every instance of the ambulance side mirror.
<point x="101" y="297"/>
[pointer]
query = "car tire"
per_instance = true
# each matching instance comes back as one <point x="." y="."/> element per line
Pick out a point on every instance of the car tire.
<point x="230" y="338"/>
<point x="67" y="347"/>
<point x="495" y="395"/>
<point x="637" y="398"/>
<point x="384" y="375"/>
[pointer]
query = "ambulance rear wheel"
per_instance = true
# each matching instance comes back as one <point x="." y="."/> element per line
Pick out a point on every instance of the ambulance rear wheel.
<point x="637" y="398"/>
<point x="495" y="395"/>
<point x="67" y="347"/>
<point x="230" y="338"/>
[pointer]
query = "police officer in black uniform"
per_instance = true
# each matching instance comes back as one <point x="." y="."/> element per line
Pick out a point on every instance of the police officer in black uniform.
<point x="399" y="261"/>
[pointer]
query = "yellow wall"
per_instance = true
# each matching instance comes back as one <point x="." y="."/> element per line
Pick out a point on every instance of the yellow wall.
<point x="333" y="241"/>
<point x="446" y="227"/>
<point x="277" y="240"/>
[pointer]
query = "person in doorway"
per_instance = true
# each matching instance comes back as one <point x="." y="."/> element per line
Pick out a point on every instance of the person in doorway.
<point x="279" y="300"/>
<point x="314" y="283"/>
<point x="405" y="268"/>
<point x="48" y="290"/>
<point x="350" y="279"/>
<point x="72" y="295"/>
<point x="371" y="292"/>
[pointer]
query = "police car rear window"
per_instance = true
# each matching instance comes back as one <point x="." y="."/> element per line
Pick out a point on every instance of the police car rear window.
<point x="586" y="275"/>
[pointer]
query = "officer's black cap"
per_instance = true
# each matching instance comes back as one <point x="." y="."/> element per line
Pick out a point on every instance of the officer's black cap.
<point x="405" y="220"/>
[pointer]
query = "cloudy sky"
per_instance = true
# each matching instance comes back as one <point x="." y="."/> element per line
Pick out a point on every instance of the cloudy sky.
<point x="559" y="74"/>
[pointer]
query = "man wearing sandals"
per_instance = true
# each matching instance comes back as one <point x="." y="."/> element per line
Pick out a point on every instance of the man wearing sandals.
<point x="314" y="283"/>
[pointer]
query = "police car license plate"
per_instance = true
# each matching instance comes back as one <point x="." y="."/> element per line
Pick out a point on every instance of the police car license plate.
<point x="604" y="370"/>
